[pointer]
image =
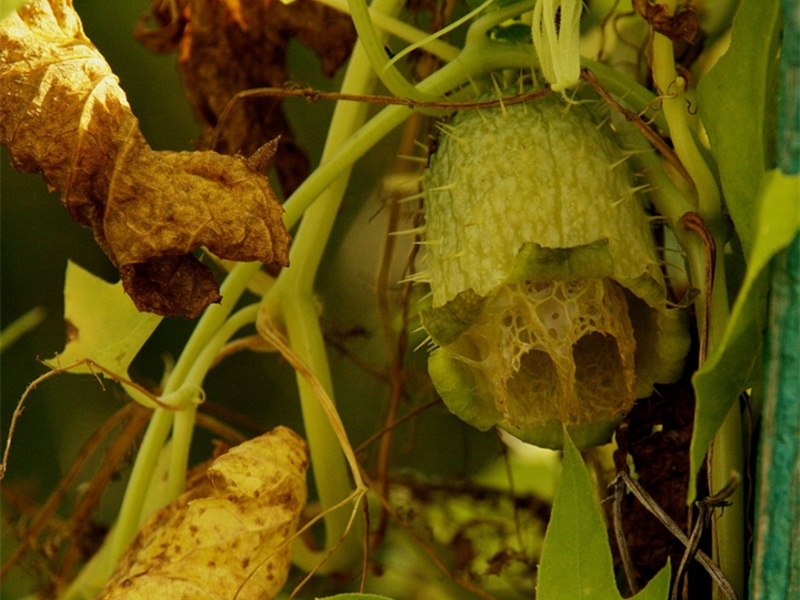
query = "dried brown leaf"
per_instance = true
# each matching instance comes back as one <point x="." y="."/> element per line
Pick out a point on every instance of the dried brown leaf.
<point x="682" y="25"/>
<point x="227" y="538"/>
<point x="64" y="115"/>
<point x="236" y="45"/>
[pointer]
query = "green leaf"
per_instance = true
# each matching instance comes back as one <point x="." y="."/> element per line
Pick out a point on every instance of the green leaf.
<point x="728" y="370"/>
<point x="102" y="323"/>
<point x="737" y="102"/>
<point x="576" y="559"/>
<point x="658" y="587"/>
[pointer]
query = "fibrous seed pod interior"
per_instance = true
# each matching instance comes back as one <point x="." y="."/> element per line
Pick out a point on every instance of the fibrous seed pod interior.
<point x="549" y="306"/>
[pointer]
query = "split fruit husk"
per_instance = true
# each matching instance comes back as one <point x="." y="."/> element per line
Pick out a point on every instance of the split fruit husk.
<point x="549" y="305"/>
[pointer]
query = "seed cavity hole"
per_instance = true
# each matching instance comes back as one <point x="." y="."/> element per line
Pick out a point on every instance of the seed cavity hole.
<point x="556" y="350"/>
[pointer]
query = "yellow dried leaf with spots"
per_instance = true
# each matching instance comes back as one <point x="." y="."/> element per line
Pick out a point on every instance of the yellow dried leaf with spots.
<point x="228" y="538"/>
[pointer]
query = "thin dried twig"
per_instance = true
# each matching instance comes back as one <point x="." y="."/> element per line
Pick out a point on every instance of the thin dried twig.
<point x="706" y="509"/>
<point x="281" y="343"/>
<point x="651" y="136"/>
<point x="622" y="544"/>
<point x="46" y="512"/>
<point x="312" y="95"/>
<point x="57" y="371"/>
<point x="113" y="459"/>
<point x="652" y="506"/>
<point x="409" y="415"/>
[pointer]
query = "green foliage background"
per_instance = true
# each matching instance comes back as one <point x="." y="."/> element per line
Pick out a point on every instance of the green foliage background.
<point x="37" y="238"/>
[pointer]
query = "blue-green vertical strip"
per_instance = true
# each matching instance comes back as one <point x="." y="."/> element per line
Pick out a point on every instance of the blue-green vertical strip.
<point x="789" y="117"/>
<point x="776" y="560"/>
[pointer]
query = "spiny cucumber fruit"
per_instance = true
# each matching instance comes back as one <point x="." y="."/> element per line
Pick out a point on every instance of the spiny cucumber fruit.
<point x="549" y="307"/>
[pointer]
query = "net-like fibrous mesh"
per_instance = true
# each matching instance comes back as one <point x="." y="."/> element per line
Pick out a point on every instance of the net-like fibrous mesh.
<point x="556" y="350"/>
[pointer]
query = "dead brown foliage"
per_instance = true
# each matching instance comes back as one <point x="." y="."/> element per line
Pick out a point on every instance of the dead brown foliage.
<point x="64" y="115"/>
<point x="235" y="45"/>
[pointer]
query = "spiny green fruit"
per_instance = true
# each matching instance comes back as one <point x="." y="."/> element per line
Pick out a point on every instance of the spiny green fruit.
<point x="549" y="306"/>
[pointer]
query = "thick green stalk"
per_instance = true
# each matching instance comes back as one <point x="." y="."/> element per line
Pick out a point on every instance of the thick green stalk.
<point x="403" y="31"/>
<point x="135" y="492"/>
<point x="727" y="457"/>
<point x="144" y="466"/>
<point x="292" y="296"/>
<point x="672" y="88"/>
<point x="298" y="308"/>
<point x="231" y="290"/>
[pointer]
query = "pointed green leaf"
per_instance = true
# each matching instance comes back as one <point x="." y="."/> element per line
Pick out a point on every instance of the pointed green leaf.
<point x="728" y="370"/>
<point x="658" y="587"/>
<point x="102" y="323"/>
<point x="738" y="104"/>
<point x="576" y="559"/>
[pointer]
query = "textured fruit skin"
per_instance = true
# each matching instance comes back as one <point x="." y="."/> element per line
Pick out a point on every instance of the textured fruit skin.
<point x="548" y="300"/>
<point x="540" y="173"/>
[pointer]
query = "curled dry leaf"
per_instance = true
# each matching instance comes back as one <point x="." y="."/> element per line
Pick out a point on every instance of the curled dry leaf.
<point x="235" y="45"/>
<point x="682" y="25"/>
<point x="228" y="538"/>
<point x="64" y="115"/>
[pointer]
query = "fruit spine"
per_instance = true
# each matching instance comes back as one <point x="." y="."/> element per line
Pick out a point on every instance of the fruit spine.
<point x="549" y="306"/>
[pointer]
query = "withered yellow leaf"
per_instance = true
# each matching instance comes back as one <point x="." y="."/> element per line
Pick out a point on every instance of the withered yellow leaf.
<point x="229" y="538"/>
<point x="64" y="115"/>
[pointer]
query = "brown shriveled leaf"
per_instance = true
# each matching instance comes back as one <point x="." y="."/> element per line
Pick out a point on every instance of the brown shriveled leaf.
<point x="235" y="45"/>
<point x="64" y="115"/>
<point x="682" y="25"/>
<point x="228" y="538"/>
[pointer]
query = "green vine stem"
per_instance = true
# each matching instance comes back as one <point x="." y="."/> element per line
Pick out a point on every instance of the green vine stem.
<point x="371" y="47"/>
<point x="291" y="299"/>
<point x="297" y="306"/>
<point x="27" y="322"/>
<point x="672" y="89"/>
<point x="726" y="457"/>
<point x="142" y="475"/>
<point x="402" y="30"/>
